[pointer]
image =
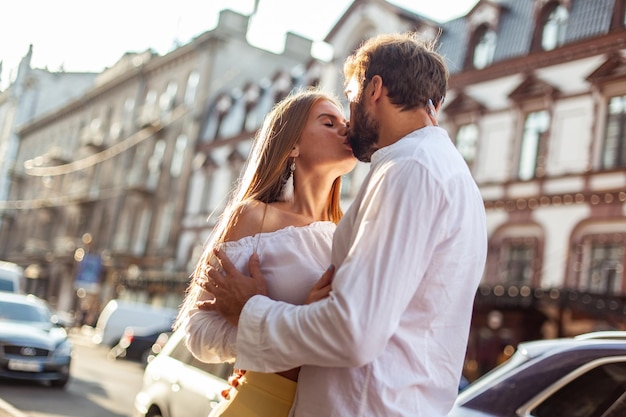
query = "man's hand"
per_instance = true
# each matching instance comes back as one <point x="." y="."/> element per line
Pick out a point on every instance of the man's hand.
<point x="231" y="288"/>
<point x="322" y="287"/>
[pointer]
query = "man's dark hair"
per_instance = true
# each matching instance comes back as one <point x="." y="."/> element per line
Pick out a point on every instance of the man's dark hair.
<point x="411" y="70"/>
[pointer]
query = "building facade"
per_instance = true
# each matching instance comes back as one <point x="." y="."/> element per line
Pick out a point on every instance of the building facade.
<point x="536" y="106"/>
<point x="98" y="210"/>
<point x="133" y="174"/>
<point x="32" y="93"/>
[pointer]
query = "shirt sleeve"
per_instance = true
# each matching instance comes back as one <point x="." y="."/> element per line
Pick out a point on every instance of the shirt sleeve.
<point x="209" y="337"/>
<point x="399" y="222"/>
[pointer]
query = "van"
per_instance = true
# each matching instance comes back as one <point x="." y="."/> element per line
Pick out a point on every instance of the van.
<point x="117" y="315"/>
<point x="11" y="277"/>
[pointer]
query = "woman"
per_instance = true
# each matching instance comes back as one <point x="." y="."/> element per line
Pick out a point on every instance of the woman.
<point x="285" y="208"/>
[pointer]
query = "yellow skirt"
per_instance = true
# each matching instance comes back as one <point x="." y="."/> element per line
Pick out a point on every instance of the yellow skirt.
<point x="258" y="395"/>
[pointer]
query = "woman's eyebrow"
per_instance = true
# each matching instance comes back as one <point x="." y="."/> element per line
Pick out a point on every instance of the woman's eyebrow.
<point x="332" y="116"/>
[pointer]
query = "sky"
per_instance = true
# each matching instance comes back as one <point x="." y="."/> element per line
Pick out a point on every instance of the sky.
<point x="90" y="35"/>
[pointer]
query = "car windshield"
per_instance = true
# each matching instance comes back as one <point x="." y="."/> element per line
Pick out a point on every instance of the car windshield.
<point x="6" y="285"/>
<point x="11" y="311"/>
<point x="490" y="377"/>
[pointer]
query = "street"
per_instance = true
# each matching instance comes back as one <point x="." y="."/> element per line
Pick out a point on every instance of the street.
<point x="98" y="387"/>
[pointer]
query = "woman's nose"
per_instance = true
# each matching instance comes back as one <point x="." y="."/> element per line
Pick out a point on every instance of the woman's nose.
<point x="344" y="129"/>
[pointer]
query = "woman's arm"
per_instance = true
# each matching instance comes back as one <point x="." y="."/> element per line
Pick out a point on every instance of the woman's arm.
<point x="209" y="337"/>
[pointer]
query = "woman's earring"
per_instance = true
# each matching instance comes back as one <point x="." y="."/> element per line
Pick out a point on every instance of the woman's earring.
<point x="286" y="194"/>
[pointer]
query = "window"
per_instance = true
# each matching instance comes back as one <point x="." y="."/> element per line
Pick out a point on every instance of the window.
<point x="141" y="236"/>
<point x="192" y="88"/>
<point x="518" y="262"/>
<point x="178" y="157"/>
<point x="122" y="234"/>
<point x="167" y="102"/>
<point x="588" y="395"/>
<point x="149" y="110"/>
<point x="554" y="26"/>
<point x="535" y="127"/>
<point x="151" y="98"/>
<point x="614" y="152"/>
<point x="253" y="118"/>
<point x="154" y="164"/>
<point x="137" y="172"/>
<point x="180" y="352"/>
<point x="213" y="122"/>
<point x="234" y="119"/>
<point x="165" y="224"/>
<point x="127" y="117"/>
<point x="606" y="269"/>
<point x="484" y="47"/>
<point x="221" y="370"/>
<point x="466" y="140"/>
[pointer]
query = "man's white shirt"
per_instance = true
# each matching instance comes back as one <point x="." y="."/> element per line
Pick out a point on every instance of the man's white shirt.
<point x="390" y="339"/>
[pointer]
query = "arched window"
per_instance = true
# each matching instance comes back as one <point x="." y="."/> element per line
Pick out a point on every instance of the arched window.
<point x="176" y="166"/>
<point x="217" y="111"/>
<point x="234" y="119"/>
<point x="192" y="88"/>
<point x="484" y="47"/>
<point x="154" y="164"/>
<point x="167" y="102"/>
<point x="554" y="25"/>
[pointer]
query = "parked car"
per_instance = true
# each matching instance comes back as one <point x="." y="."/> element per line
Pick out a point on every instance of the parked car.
<point x="175" y="384"/>
<point x="575" y="377"/>
<point x="117" y="315"/>
<point x="33" y="344"/>
<point x="11" y="277"/>
<point x="136" y="343"/>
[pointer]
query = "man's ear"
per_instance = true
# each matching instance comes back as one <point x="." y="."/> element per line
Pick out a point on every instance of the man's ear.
<point x="376" y="91"/>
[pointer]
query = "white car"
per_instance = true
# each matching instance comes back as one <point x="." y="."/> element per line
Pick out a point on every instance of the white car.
<point x="11" y="277"/>
<point x="175" y="384"/>
<point x="117" y="315"/>
<point x="583" y="376"/>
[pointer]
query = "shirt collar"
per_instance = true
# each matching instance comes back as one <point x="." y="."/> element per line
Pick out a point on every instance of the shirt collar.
<point x="398" y="146"/>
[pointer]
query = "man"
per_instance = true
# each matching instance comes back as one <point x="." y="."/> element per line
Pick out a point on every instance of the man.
<point x="390" y="338"/>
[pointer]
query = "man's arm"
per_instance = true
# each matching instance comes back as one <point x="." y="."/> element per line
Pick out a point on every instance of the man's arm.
<point x="232" y="289"/>
<point x="387" y="259"/>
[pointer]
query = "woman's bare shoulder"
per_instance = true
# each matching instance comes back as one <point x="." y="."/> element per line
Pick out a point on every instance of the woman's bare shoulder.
<point x="248" y="221"/>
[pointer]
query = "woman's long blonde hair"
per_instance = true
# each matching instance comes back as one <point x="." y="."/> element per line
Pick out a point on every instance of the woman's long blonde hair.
<point x="264" y="175"/>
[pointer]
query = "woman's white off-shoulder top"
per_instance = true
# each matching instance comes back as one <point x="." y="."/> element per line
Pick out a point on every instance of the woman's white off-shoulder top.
<point x="292" y="260"/>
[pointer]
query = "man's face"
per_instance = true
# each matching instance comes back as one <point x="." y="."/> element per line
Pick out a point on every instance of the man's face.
<point x="363" y="131"/>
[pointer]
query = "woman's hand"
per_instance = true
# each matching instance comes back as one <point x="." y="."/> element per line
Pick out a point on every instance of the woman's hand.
<point x="322" y="287"/>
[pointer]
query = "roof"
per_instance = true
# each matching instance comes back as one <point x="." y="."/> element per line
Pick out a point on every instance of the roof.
<point x="515" y="29"/>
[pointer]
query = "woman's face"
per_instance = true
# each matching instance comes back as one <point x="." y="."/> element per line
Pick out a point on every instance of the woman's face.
<point x="324" y="145"/>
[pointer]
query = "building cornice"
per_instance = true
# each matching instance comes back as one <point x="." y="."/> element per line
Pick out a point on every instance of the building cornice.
<point x="602" y="44"/>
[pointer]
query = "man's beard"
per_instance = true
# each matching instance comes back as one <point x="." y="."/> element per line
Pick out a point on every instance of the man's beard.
<point x="363" y="133"/>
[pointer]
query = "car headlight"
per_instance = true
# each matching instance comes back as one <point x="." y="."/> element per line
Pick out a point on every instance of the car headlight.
<point x="64" y="349"/>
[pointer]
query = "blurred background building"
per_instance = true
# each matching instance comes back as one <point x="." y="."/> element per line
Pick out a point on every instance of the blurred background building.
<point x="108" y="194"/>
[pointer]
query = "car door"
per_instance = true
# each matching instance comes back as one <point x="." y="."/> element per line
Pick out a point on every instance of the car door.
<point x="194" y="392"/>
<point x="593" y="390"/>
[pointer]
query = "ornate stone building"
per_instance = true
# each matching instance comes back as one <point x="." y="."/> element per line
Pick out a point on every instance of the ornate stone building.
<point x="536" y="106"/>
<point x="101" y="188"/>
<point x="32" y="92"/>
